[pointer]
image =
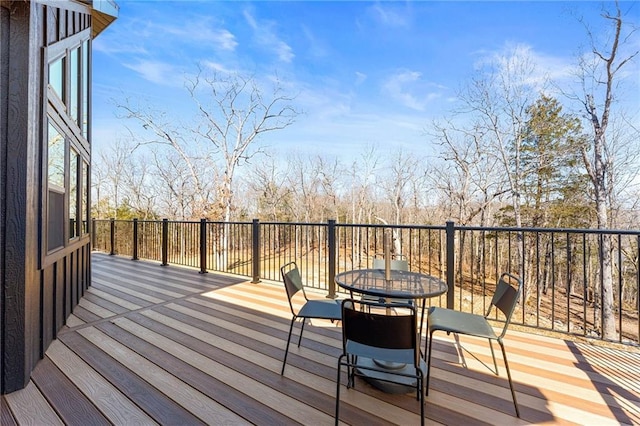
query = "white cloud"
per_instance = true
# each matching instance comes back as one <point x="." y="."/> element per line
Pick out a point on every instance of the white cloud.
<point x="109" y="47"/>
<point x="142" y="36"/>
<point x="265" y="35"/>
<point x="315" y="47"/>
<point x="389" y="16"/>
<point x="360" y="78"/>
<point x="217" y="67"/>
<point x="202" y="31"/>
<point x="409" y="89"/>
<point x="157" y="72"/>
<point x="537" y="69"/>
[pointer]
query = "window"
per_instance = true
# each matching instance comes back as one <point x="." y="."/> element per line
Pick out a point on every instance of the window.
<point x="85" y="89"/>
<point x="56" y="77"/>
<point x="55" y="158"/>
<point x="74" y="80"/>
<point x="74" y="159"/>
<point x="84" y="210"/>
<point x="55" y="188"/>
<point x="66" y="167"/>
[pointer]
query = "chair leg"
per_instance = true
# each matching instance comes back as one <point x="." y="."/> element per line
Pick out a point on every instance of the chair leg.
<point x="422" y="304"/>
<point x="495" y="364"/>
<point x="338" y="390"/>
<point x="506" y="365"/>
<point x="304" y="320"/>
<point x="422" y="405"/>
<point x="286" y="352"/>
<point x="429" y="344"/>
<point x="351" y="371"/>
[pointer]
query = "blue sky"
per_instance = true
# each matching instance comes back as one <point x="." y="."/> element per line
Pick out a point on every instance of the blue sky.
<point x="364" y="73"/>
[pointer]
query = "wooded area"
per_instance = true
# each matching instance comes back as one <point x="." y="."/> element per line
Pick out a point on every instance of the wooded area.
<point x="516" y="150"/>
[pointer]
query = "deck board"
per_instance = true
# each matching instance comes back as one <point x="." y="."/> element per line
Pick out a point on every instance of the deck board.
<point x="167" y="345"/>
<point x="70" y="403"/>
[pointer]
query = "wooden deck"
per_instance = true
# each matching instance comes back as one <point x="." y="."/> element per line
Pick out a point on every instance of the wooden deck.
<point x="150" y="344"/>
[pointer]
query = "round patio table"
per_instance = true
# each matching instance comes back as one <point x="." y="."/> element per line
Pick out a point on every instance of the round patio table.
<point x="401" y="285"/>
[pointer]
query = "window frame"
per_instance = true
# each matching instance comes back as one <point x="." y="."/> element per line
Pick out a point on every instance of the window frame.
<point x="76" y="137"/>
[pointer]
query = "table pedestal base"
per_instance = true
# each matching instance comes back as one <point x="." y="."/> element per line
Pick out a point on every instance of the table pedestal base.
<point x="379" y="379"/>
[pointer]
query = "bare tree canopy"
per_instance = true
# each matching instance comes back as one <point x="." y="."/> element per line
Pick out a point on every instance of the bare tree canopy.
<point x="201" y="158"/>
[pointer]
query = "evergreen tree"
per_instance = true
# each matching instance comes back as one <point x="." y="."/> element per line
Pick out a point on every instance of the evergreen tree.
<point x="553" y="188"/>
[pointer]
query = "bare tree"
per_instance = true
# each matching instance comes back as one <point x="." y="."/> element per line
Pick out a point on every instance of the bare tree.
<point x="305" y="183"/>
<point x="111" y="170"/>
<point x="141" y="200"/>
<point x="329" y="170"/>
<point x="363" y="186"/>
<point x="471" y="177"/>
<point x="498" y="100"/>
<point x="396" y="185"/>
<point x="180" y="162"/>
<point x="599" y="77"/>
<point x="268" y="187"/>
<point x="234" y="112"/>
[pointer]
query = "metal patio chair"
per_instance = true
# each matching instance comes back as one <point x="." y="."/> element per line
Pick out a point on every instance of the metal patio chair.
<point x="372" y="340"/>
<point x="505" y="299"/>
<point x="320" y="309"/>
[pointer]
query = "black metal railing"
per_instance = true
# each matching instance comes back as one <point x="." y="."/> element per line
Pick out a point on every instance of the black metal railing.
<point x="561" y="268"/>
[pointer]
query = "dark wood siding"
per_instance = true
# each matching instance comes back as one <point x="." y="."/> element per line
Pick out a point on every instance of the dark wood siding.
<point x="59" y="282"/>
<point x="38" y="292"/>
<point x="17" y="335"/>
<point x="4" y="104"/>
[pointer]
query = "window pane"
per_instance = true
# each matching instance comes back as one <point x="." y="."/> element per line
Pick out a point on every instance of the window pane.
<point x="55" y="223"/>
<point x="74" y="74"/>
<point x="73" y="193"/>
<point x="55" y="155"/>
<point x="55" y="202"/>
<point x="85" y="89"/>
<point x="56" y="77"/>
<point x="85" y="198"/>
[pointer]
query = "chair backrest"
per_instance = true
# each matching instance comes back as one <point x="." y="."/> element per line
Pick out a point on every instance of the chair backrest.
<point x="506" y="297"/>
<point x="292" y="282"/>
<point x="379" y="330"/>
<point x="396" y="264"/>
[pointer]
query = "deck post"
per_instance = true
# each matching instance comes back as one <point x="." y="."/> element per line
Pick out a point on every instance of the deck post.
<point x="255" y="251"/>
<point x="134" y="243"/>
<point x="165" y="241"/>
<point x="451" y="246"/>
<point x="331" y="238"/>
<point x="112" y="236"/>
<point x="203" y="246"/>
<point x="93" y="233"/>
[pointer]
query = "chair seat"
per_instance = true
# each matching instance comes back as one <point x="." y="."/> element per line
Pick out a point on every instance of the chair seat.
<point x="323" y="309"/>
<point x="453" y="321"/>
<point x="402" y="356"/>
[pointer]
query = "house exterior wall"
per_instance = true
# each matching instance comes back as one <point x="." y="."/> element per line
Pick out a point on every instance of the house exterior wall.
<point x="44" y="239"/>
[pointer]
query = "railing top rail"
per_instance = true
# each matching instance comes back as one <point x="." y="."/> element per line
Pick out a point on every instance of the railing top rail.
<point x="549" y="230"/>
<point x="382" y="226"/>
<point x="405" y="226"/>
